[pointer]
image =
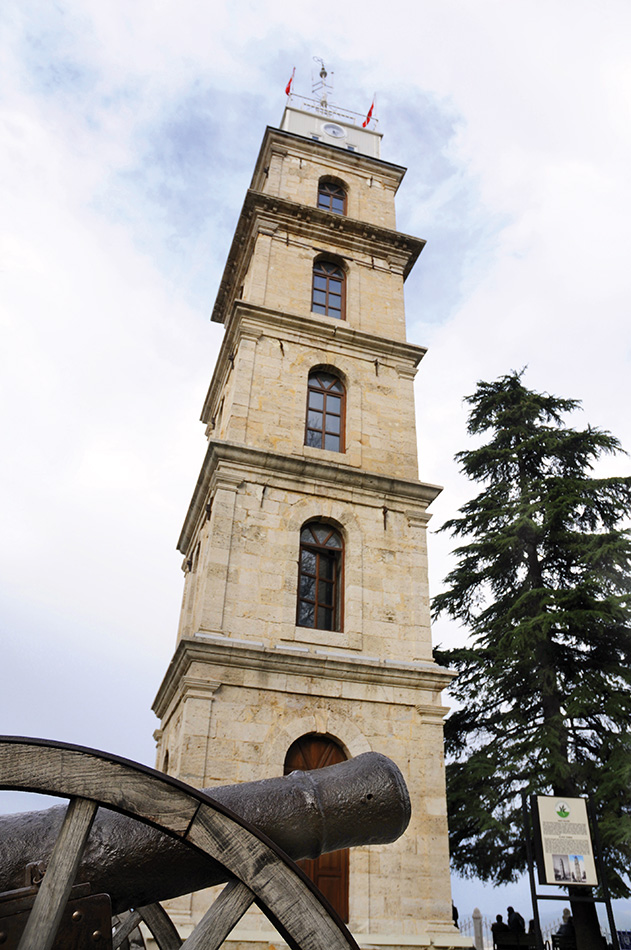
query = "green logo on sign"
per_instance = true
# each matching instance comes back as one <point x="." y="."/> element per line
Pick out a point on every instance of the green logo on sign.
<point x="562" y="810"/>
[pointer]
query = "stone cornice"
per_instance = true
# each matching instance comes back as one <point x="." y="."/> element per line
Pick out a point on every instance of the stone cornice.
<point x="335" y="156"/>
<point x="240" y="654"/>
<point x="388" y="940"/>
<point x="188" y="687"/>
<point x="246" y="463"/>
<point x="251" y="321"/>
<point x="271" y="214"/>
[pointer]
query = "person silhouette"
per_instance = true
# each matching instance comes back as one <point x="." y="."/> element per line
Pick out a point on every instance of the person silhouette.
<point x="516" y="922"/>
<point x="499" y="927"/>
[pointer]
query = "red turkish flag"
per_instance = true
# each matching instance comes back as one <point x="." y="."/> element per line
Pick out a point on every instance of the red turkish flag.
<point x="288" y="86"/>
<point x="369" y="116"/>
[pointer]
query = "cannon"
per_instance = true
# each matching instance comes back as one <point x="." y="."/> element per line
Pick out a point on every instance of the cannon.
<point x="131" y="837"/>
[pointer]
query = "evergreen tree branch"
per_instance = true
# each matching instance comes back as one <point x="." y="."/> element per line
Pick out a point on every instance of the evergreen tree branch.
<point x="543" y="584"/>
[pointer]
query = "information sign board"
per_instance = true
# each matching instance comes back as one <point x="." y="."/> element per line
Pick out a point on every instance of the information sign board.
<point x="563" y="842"/>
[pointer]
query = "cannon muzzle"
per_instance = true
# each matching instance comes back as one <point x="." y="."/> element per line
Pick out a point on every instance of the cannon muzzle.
<point x="359" y="802"/>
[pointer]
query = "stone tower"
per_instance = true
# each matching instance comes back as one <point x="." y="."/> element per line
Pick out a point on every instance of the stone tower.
<point x="305" y="634"/>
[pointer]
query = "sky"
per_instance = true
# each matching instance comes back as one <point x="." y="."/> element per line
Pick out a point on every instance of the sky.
<point x="129" y="134"/>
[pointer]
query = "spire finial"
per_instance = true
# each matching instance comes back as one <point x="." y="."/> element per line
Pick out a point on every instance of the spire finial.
<point x="319" y="86"/>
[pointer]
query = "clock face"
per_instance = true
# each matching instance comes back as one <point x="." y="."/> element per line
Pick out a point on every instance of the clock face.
<point x="334" y="130"/>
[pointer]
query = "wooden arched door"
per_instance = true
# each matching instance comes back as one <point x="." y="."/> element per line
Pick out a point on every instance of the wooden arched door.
<point x="329" y="872"/>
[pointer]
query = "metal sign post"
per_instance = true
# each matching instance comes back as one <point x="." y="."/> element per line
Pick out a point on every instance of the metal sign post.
<point x="531" y="871"/>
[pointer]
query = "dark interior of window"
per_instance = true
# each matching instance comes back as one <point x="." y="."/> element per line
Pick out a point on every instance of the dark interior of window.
<point x="325" y="412"/>
<point x="331" y="197"/>
<point x="319" y="577"/>
<point x="328" y="289"/>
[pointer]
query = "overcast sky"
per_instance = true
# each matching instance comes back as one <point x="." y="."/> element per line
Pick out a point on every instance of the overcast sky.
<point x="129" y="135"/>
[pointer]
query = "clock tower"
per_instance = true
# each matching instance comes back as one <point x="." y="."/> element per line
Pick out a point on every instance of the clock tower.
<point x="304" y="636"/>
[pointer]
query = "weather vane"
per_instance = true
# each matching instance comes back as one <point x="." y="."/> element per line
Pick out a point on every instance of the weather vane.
<point x="319" y="86"/>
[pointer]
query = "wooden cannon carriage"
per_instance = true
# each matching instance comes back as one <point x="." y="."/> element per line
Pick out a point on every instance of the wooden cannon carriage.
<point x="131" y="836"/>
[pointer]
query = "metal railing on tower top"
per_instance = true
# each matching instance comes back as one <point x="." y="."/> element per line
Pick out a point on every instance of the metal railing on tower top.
<point x="328" y="110"/>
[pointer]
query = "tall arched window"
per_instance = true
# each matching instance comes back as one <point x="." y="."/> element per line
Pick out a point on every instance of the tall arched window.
<point x="320" y="577"/>
<point x="328" y="289"/>
<point x="331" y="197"/>
<point x="325" y="412"/>
<point x="329" y="872"/>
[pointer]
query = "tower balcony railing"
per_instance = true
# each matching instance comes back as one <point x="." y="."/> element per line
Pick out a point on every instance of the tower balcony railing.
<point x="324" y="108"/>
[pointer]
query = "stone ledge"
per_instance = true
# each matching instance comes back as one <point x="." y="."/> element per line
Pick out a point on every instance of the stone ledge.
<point x="264" y="940"/>
<point x="207" y="647"/>
<point x="244" y="463"/>
<point x="247" y="319"/>
<point x="260" y="209"/>
<point x="284" y="142"/>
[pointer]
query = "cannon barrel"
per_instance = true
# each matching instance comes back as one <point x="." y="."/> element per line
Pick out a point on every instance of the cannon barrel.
<point x="358" y="802"/>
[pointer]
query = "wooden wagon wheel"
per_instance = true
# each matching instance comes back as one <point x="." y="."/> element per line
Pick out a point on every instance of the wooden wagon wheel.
<point x="260" y="872"/>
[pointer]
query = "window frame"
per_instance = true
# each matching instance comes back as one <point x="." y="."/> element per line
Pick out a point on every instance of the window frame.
<point x="322" y="263"/>
<point x="327" y="188"/>
<point x="314" y="374"/>
<point x="335" y="555"/>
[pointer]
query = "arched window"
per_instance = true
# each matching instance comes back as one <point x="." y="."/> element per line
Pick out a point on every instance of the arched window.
<point x="320" y="577"/>
<point x="325" y="412"/>
<point x="329" y="872"/>
<point x="331" y="197"/>
<point x="328" y="289"/>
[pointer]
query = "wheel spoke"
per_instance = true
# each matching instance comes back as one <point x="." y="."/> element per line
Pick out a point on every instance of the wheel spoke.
<point x="161" y="926"/>
<point x="223" y="914"/>
<point x="129" y="923"/>
<point x="51" y="899"/>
